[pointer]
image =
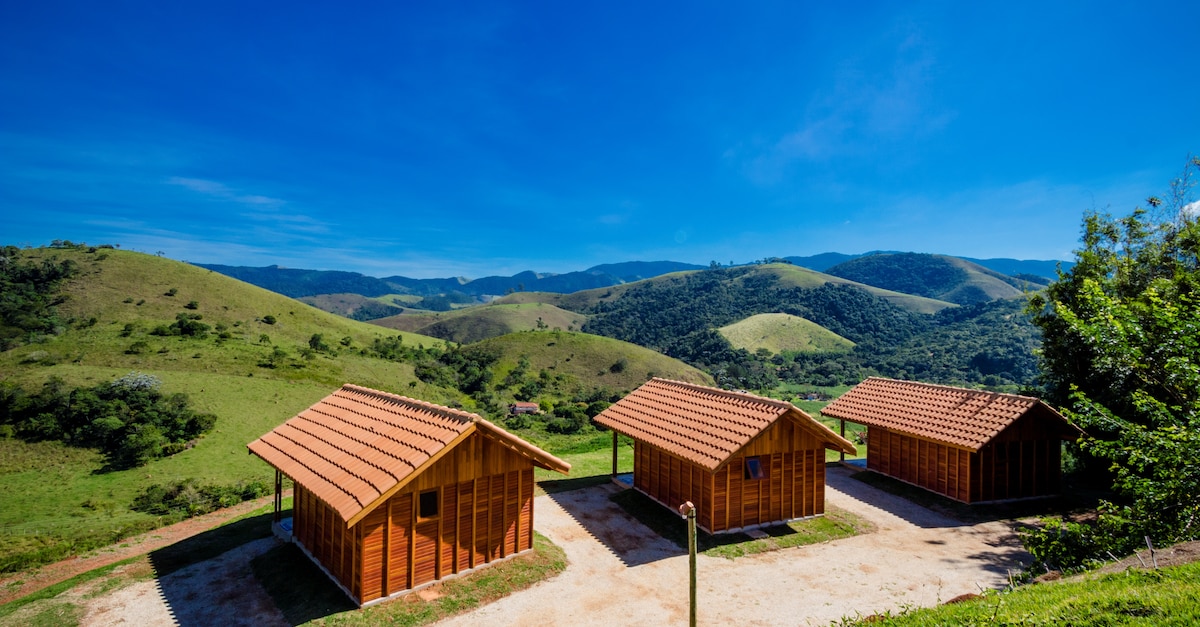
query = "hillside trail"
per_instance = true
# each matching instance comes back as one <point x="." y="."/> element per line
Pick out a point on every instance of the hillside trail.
<point x="16" y="585"/>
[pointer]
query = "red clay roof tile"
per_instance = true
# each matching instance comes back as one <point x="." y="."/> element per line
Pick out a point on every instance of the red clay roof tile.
<point x="701" y="424"/>
<point x="957" y="416"/>
<point x="356" y="444"/>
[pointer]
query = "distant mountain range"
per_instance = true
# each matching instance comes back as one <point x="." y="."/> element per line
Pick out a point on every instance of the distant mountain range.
<point x="1003" y="265"/>
<point x="299" y="283"/>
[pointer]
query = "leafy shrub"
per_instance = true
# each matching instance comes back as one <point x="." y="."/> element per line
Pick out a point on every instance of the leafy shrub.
<point x="192" y="305"/>
<point x="129" y="419"/>
<point x="268" y="319"/>
<point x="137" y="348"/>
<point x="187" y="498"/>
<point x="171" y="292"/>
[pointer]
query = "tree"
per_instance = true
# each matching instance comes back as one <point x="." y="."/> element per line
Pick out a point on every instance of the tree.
<point x="1121" y="354"/>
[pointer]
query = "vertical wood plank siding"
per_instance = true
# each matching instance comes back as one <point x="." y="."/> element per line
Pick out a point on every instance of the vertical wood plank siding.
<point x="793" y="485"/>
<point x="1024" y="460"/>
<point x="485" y="513"/>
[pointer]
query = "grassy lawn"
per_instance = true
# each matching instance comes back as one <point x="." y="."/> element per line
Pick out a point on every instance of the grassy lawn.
<point x="836" y="523"/>
<point x="1170" y="596"/>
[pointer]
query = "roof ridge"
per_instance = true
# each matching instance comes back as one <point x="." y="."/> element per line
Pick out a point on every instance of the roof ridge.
<point x="448" y="412"/>
<point x="730" y="393"/>
<point x="956" y="388"/>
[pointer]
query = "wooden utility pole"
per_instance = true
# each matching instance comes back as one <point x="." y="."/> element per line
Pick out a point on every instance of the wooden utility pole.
<point x="687" y="510"/>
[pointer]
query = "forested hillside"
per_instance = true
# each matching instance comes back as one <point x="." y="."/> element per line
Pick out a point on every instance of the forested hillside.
<point x="989" y="343"/>
<point x="933" y="276"/>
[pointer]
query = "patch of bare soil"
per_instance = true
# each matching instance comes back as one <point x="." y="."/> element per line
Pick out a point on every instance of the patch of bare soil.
<point x="1184" y="553"/>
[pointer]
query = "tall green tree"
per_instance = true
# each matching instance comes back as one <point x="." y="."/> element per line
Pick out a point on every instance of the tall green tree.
<point x="1121" y="354"/>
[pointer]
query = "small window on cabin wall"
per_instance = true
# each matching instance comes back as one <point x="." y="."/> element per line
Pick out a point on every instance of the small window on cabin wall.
<point x="755" y="469"/>
<point x="427" y="505"/>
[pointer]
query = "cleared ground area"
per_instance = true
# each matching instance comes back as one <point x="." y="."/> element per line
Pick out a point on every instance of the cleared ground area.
<point x="621" y="573"/>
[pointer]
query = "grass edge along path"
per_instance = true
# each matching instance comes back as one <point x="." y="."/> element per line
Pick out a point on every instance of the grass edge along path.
<point x="17" y="588"/>
<point x="1167" y="596"/>
<point x="835" y="524"/>
<point x="306" y="596"/>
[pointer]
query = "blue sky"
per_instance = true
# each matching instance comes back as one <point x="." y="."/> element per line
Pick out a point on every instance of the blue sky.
<point x="468" y="139"/>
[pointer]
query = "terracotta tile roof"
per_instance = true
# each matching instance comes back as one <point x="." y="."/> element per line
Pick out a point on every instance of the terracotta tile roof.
<point x="957" y="416"/>
<point x="358" y="445"/>
<point x="701" y="424"/>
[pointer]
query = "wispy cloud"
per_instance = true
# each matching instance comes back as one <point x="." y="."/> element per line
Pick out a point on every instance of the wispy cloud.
<point x="874" y="102"/>
<point x="224" y="192"/>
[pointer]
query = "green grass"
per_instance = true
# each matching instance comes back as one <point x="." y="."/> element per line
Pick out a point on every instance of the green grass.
<point x="480" y="322"/>
<point x="1169" y="596"/>
<point x="587" y="468"/>
<point x="836" y="523"/>
<point x="307" y="597"/>
<point x="778" y="332"/>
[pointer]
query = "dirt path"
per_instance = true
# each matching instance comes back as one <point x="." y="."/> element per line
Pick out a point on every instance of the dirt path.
<point x="25" y="583"/>
<point x="621" y="573"/>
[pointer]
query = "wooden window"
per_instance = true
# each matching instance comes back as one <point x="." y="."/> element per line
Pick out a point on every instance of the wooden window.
<point x="755" y="469"/>
<point x="427" y="505"/>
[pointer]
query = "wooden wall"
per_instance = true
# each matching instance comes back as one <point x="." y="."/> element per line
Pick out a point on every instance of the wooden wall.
<point x="793" y="462"/>
<point x="485" y="513"/>
<point x="1024" y="460"/>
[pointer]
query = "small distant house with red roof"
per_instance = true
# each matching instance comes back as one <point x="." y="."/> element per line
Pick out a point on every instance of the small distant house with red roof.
<point x="743" y="460"/>
<point x="521" y="407"/>
<point x="968" y="445"/>
<point x="392" y="493"/>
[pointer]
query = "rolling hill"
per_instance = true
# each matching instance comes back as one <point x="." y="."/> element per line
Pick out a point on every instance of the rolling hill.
<point x="261" y="358"/>
<point x="779" y="332"/>
<point x="585" y="360"/>
<point x="473" y="324"/>
<point x="939" y="277"/>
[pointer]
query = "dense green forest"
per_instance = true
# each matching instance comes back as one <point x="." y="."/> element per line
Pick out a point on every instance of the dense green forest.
<point x="990" y="343"/>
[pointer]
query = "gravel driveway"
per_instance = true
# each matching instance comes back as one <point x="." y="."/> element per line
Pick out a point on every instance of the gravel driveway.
<point x="621" y="573"/>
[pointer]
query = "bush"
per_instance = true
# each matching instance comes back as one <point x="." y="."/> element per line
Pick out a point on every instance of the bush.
<point x="171" y="292"/>
<point x="268" y="319"/>
<point x="188" y="498"/>
<point x="192" y="305"/>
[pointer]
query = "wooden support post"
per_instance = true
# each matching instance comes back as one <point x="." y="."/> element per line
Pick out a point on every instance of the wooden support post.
<point x="614" y="465"/>
<point x="689" y="511"/>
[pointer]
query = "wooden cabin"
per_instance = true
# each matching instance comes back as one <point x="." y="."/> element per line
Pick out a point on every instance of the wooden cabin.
<point x="968" y="445"/>
<point x="393" y="493"/>
<point x="743" y="460"/>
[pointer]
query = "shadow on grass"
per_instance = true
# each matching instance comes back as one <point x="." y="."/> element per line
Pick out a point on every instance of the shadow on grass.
<point x="552" y="486"/>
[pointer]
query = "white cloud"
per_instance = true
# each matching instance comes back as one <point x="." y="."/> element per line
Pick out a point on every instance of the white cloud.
<point x="224" y="192"/>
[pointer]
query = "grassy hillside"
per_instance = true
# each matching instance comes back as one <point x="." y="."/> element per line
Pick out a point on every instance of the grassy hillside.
<point x="473" y="324"/>
<point x="933" y="276"/>
<point x="257" y="365"/>
<point x="588" y="360"/>
<point x="354" y="306"/>
<point x="779" y="332"/>
<point x="796" y="276"/>
<point x="786" y="274"/>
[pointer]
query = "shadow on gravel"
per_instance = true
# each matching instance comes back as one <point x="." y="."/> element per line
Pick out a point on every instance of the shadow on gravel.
<point x="625" y="536"/>
<point x="203" y="583"/>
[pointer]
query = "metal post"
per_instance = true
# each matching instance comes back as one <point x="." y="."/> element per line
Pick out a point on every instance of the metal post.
<point x="689" y="511"/>
<point x="842" y="423"/>
<point x="614" y="470"/>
